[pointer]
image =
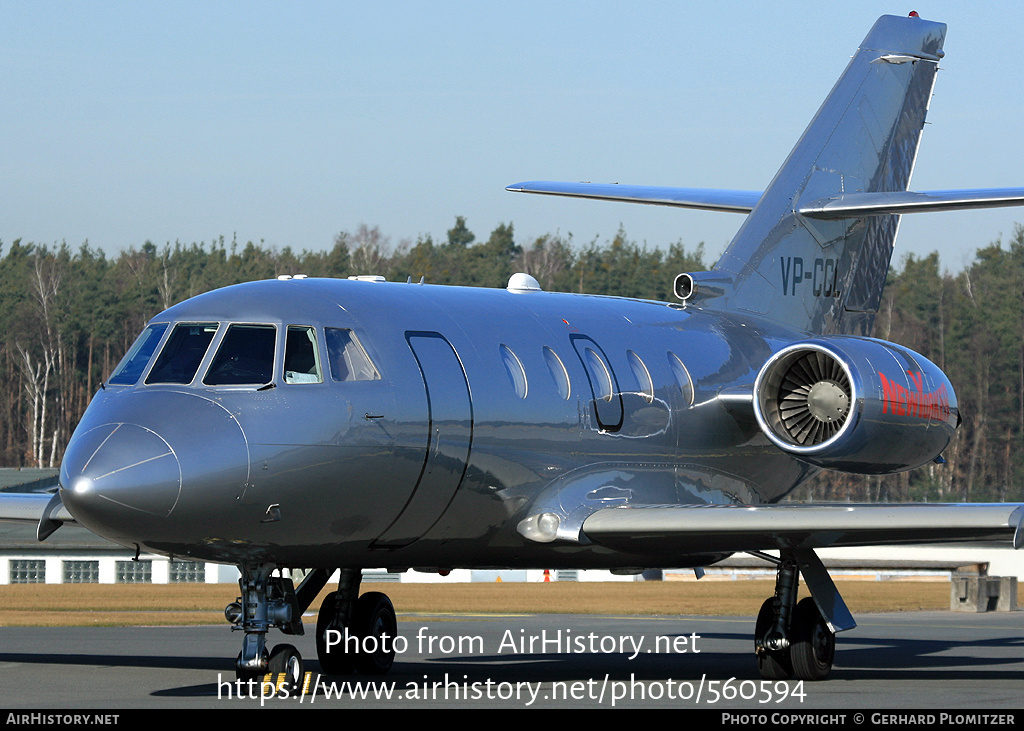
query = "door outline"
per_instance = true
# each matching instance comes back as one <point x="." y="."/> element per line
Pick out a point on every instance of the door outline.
<point x="609" y="413"/>
<point x="449" y="439"/>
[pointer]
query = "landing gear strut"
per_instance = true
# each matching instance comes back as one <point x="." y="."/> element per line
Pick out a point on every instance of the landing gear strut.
<point x="266" y="601"/>
<point x="355" y="634"/>
<point x="792" y="639"/>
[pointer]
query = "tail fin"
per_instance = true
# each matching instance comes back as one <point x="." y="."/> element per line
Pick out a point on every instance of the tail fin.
<point x="825" y="274"/>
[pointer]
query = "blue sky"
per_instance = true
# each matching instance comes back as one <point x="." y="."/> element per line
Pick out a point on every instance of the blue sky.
<point x="288" y="123"/>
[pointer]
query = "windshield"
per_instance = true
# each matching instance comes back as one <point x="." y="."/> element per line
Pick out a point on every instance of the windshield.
<point x="133" y="364"/>
<point x="184" y="351"/>
<point x="246" y="356"/>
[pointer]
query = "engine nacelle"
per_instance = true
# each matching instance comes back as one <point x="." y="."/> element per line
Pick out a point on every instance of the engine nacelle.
<point x="855" y="404"/>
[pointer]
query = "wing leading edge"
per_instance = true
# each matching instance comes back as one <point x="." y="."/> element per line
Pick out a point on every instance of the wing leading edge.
<point x="732" y="528"/>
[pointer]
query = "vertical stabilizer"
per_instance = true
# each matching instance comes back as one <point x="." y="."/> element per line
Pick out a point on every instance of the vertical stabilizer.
<point x="826" y="276"/>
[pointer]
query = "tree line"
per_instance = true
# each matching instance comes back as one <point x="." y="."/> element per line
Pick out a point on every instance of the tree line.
<point x="68" y="315"/>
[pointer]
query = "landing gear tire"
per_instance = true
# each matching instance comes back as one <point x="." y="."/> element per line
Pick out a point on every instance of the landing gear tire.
<point x="374" y="622"/>
<point x="286" y="660"/>
<point x="333" y="656"/>
<point x="813" y="645"/>
<point x="772" y="664"/>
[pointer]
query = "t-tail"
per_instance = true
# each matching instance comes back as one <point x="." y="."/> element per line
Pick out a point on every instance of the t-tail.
<point x="815" y="248"/>
<point x="794" y="258"/>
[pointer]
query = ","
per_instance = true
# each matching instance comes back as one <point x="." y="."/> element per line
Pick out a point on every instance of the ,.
<point x="348" y="424"/>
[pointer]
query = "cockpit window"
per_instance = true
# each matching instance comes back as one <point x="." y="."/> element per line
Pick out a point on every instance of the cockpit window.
<point x="349" y="362"/>
<point x="183" y="352"/>
<point x="131" y="367"/>
<point x="301" y="356"/>
<point x="246" y="355"/>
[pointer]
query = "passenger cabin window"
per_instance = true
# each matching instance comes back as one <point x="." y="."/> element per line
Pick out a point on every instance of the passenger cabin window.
<point x="183" y="352"/>
<point x="682" y="377"/>
<point x="643" y="376"/>
<point x="514" y="370"/>
<point x="558" y="372"/>
<point x="601" y="378"/>
<point x="301" y="356"/>
<point x="245" y="356"/>
<point x="349" y="362"/>
<point x="134" y="363"/>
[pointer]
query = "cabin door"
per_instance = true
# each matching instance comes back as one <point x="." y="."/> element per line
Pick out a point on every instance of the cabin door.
<point x="449" y="438"/>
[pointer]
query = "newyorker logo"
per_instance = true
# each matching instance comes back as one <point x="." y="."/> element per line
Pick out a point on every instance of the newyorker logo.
<point x="904" y="402"/>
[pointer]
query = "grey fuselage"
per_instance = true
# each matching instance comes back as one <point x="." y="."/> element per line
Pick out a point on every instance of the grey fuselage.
<point x="436" y="463"/>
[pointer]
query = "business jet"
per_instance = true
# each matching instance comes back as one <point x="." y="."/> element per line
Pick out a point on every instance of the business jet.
<point x="337" y="425"/>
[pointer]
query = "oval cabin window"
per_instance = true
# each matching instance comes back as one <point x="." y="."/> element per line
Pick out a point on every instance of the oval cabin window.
<point x="514" y="370"/>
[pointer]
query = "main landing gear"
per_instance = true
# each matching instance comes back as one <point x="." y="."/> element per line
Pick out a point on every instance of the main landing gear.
<point x="351" y="633"/>
<point x="792" y="639"/>
<point x="355" y="634"/>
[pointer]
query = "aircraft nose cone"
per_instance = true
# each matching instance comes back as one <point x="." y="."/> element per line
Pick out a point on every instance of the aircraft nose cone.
<point x="147" y="467"/>
<point x="118" y="469"/>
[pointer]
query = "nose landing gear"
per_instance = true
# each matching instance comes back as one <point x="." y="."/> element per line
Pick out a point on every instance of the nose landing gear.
<point x="266" y="601"/>
<point x="353" y="633"/>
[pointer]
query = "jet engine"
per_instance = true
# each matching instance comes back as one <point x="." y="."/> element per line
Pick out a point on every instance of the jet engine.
<point x="855" y="404"/>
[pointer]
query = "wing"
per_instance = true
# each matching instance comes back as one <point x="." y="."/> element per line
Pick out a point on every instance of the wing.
<point x="41" y="508"/>
<point x="729" y="528"/>
<point x="733" y="201"/>
<point x="798" y="529"/>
